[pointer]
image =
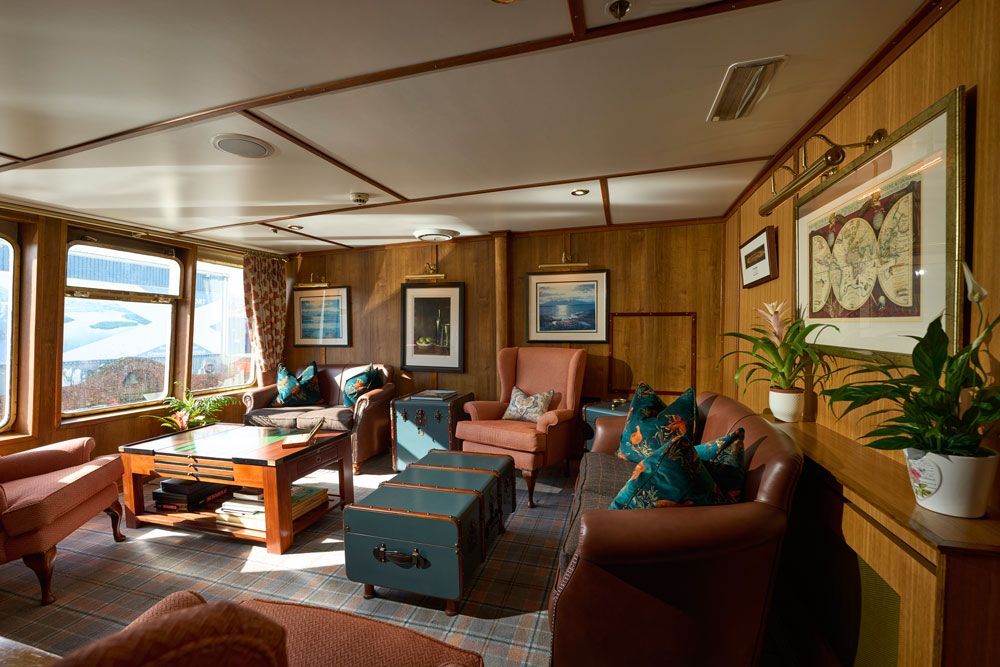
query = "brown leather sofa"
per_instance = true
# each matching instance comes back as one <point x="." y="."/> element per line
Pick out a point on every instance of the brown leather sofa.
<point x="368" y="420"/>
<point x="673" y="586"/>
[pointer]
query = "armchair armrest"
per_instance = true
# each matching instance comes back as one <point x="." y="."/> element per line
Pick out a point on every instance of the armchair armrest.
<point x="551" y="418"/>
<point x="375" y="397"/>
<point x="610" y="537"/>
<point x="48" y="458"/>
<point x="485" y="410"/>
<point x="261" y="397"/>
<point x="608" y="434"/>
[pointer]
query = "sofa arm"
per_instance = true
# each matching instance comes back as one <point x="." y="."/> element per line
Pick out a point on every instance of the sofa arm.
<point x="608" y="434"/>
<point x="261" y="397"/>
<point x="173" y="602"/>
<point x="48" y="458"/>
<point x="485" y="410"/>
<point x="372" y="399"/>
<point x="553" y="417"/>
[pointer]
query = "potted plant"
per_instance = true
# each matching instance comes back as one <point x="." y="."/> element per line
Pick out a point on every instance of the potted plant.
<point x="191" y="412"/>
<point x="780" y="355"/>
<point x="941" y="407"/>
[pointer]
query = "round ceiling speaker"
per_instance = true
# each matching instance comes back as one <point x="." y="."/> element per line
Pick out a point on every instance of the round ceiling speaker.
<point x="435" y="234"/>
<point x="242" y="145"/>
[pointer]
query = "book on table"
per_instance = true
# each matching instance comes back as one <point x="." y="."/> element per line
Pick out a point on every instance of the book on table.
<point x="436" y="394"/>
<point x="250" y="513"/>
<point x="187" y="495"/>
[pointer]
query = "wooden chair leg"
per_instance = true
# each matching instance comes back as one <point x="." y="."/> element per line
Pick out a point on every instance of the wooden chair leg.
<point x="41" y="564"/>
<point x="115" y="512"/>
<point x="529" y="479"/>
<point x="451" y="607"/>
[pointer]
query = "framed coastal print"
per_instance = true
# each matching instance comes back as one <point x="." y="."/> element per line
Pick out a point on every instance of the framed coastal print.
<point x="432" y="327"/>
<point x="759" y="257"/>
<point x="322" y="316"/>
<point x="567" y="307"/>
<point x="879" y="245"/>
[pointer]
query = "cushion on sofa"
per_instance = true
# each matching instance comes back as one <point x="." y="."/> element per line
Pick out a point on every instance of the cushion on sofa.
<point x="647" y="414"/>
<point x="725" y="461"/>
<point x="296" y="391"/>
<point x="601" y="478"/>
<point x="361" y="384"/>
<point x="335" y="418"/>
<point x="673" y="475"/>
<point x="517" y="435"/>
<point x="278" y="417"/>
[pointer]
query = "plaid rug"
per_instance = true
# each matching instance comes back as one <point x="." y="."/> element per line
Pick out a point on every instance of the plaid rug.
<point x="100" y="586"/>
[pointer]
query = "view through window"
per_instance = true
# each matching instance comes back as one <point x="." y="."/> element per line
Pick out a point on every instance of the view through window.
<point x="220" y="357"/>
<point x="7" y="296"/>
<point x="117" y="327"/>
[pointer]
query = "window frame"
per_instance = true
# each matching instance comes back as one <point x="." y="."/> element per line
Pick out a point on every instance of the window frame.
<point x="127" y="296"/>
<point x="15" y="329"/>
<point x="253" y="368"/>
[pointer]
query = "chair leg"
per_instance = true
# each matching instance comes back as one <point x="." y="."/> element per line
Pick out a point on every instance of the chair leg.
<point x="529" y="479"/>
<point x="115" y="512"/>
<point x="42" y="566"/>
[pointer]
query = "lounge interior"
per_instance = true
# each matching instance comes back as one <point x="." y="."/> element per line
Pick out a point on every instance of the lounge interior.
<point x="499" y="332"/>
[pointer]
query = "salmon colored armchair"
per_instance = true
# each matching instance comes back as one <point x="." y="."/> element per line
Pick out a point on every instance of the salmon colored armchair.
<point x="533" y="446"/>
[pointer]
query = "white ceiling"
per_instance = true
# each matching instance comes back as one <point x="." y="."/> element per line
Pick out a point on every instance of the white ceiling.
<point x="631" y="102"/>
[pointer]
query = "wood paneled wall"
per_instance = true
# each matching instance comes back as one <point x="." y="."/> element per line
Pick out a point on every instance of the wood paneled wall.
<point x="961" y="48"/>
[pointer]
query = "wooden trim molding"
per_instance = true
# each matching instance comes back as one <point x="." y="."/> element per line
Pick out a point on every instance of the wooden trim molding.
<point x="606" y="201"/>
<point x="577" y="17"/>
<point x="308" y="236"/>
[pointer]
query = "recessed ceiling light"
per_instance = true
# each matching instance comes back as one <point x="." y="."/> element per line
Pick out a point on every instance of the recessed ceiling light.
<point x="435" y="234"/>
<point x="242" y="145"/>
<point x="295" y="227"/>
<point x="579" y="192"/>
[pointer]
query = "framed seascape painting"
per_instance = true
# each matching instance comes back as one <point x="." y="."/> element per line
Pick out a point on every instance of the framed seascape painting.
<point x="322" y="316"/>
<point x="432" y="327"/>
<point x="759" y="257"/>
<point x="879" y="244"/>
<point x="567" y="307"/>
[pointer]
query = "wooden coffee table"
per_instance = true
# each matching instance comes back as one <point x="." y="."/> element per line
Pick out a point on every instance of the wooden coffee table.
<point x="242" y="456"/>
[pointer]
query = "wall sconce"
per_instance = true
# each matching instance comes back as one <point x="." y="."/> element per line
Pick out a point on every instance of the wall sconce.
<point x="313" y="282"/>
<point x="430" y="273"/>
<point x="565" y="263"/>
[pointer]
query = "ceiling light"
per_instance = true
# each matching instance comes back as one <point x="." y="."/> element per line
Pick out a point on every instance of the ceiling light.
<point x="579" y="192"/>
<point x="618" y="9"/>
<point x="504" y="2"/>
<point x="742" y="88"/>
<point x="435" y="234"/>
<point x="242" y="145"/>
<point x="295" y="227"/>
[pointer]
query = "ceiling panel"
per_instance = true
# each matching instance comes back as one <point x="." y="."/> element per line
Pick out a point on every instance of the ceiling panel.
<point x="549" y="207"/>
<point x="81" y="70"/>
<point x="176" y="180"/>
<point x="596" y="15"/>
<point x="264" y="238"/>
<point x="627" y="103"/>
<point x="679" y="195"/>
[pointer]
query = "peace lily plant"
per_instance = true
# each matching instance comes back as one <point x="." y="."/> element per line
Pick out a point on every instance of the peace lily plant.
<point x="940" y="408"/>
<point x="781" y="355"/>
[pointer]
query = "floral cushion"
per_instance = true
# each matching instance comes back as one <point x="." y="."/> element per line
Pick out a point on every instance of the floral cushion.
<point x="361" y="384"/>
<point x="725" y="461"/>
<point x="647" y="414"/>
<point x="671" y="476"/>
<point x="301" y="390"/>
<point x="525" y="408"/>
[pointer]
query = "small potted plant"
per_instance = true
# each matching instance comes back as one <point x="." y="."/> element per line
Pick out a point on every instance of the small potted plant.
<point x="780" y="355"/>
<point x="191" y="412"/>
<point x="941" y="406"/>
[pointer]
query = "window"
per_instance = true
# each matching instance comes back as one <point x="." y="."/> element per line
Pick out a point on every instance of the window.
<point x="8" y="296"/>
<point x="220" y="356"/>
<point x="117" y="327"/>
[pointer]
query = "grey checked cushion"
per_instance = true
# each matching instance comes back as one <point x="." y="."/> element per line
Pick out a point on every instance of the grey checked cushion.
<point x="525" y="408"/>
<point x="283" y="417"/>
<point x="601" y="478"/>
<point x="335" y="418"/>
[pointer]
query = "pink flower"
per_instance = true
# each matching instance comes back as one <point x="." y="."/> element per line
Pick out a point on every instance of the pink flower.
<point x="773" y="318"/>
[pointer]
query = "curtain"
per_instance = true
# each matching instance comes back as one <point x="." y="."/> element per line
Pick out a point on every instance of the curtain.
<point x="264" y="291"/>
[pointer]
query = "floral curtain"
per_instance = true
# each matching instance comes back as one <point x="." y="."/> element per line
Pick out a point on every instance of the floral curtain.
<point x="265" y="291"/>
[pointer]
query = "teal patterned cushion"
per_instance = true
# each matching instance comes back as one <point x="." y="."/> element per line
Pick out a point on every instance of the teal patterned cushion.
<point x="361" y="384"/>
<point x="525" y="408"/>
<point x="671" y="476"/>
<point x="725" y="461"/>
<point x="647" y="414"/>
<point x="301" y="390"/>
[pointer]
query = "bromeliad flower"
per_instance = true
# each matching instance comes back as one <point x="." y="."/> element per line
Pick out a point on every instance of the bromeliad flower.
<point x="774" y="320"/>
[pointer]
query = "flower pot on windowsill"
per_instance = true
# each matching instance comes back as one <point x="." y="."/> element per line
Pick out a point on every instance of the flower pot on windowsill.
<point x="787" y="405"/>
<point x="951" y="484"/>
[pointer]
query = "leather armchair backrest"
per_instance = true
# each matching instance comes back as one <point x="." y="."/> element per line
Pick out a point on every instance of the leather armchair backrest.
<point x="538" y="369"/>
<point x="333" y="376"/>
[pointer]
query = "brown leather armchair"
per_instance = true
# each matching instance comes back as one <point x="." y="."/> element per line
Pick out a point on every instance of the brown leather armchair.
<point x="368" y="420"/>
<point x="673" y="586"/>
<point x="533" y="446"/>
<point x="48" y="492"/>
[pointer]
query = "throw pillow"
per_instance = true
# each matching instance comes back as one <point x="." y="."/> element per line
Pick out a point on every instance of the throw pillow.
<point x="301" y="390"/>
<point x="671" y="476"/>
<point x="361" y="384"/>
<point x="647" y="414"/>
<point x="725" y="461"/>
<point x="525" y="408"/>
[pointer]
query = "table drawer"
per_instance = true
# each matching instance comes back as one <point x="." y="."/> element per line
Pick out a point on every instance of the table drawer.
<point x="313" y="460"/>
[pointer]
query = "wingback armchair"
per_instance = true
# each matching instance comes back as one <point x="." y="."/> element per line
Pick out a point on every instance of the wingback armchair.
<point x="532" y="446"/>
<point x="48" y="492"/>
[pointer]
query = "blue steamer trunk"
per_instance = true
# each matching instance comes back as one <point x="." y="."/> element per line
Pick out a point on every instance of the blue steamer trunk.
<point x="500" y="466"/>
<point x="421" y="425"/>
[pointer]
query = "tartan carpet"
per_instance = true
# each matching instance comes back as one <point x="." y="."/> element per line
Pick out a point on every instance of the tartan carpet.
<point x="101" y="586"/>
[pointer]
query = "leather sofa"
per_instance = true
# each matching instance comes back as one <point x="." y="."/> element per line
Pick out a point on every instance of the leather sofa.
<point x="673" y="586"/>
<point x="368" y="420"/>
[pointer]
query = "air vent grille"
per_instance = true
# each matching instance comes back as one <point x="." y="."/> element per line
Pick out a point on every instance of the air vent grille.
<point x="743" y="87"/>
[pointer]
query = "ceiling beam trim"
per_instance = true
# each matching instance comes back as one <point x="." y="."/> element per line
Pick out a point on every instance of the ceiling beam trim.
<point x="577" y="17"/>
<point x="606" y="200"/>
<point x="308" y="236"/>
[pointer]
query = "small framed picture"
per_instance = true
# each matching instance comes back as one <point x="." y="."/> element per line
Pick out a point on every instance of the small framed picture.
<point x="568" y="307"/>
<point x="759" y="257"/>
<point x="432" y="327"/>
<point x="322" y="316"/>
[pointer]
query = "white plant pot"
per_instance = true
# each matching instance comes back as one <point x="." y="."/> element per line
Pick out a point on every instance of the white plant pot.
<point x="952" y="485"/>
<point x="787" y="405"/>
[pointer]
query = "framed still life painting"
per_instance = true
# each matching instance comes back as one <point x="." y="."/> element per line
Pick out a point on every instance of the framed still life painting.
<point x="759" y="257"/>
<point x="567" y="307"/>
<point x="432" y="327"/>
<point x="322" y="316"/>
<point x="879" y="244"/>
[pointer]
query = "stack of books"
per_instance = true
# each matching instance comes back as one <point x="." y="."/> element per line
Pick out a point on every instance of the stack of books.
<point x="183" y="495"/>
<point x="250" y="513"/>
<point x="436" y="394"/>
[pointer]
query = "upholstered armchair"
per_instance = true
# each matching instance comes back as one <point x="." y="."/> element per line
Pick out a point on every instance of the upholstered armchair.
<point x="48" y="492"/>
<point x="533" y="446"/>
